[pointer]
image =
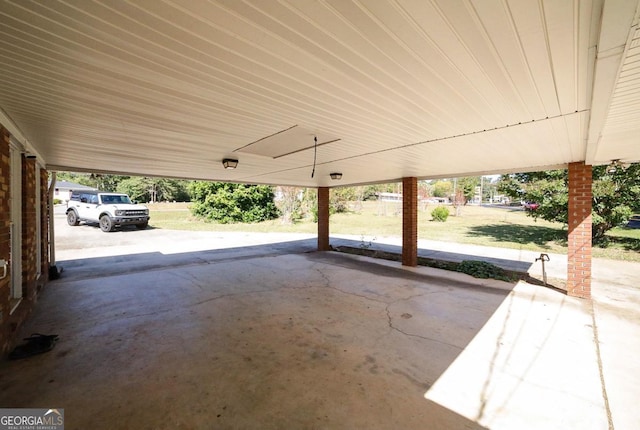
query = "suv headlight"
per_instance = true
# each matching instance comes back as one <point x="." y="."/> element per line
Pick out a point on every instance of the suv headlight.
<point x="146" y="211"/>
<point x="119" y="212"/>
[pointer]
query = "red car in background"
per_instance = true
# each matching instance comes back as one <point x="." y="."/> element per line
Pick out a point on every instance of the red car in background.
<point x="530" y="206"/>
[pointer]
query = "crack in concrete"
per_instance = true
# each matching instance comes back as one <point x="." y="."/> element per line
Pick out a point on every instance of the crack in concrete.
<point x="399" y="330"/>
<point x="362" y="296"/>
<point x="191" y="279"/>
<point x="323" y="275"/>
<point x="224" y="296"/>
<point x="596" y="340"/>
<point x="430" y="339"/>
<point x="387" y="311"/>
<point x="327" y="284"/>
<point x="267" y="290"/>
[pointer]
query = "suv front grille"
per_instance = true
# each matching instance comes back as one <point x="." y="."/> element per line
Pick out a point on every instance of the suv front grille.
<point x="135" y="213"/>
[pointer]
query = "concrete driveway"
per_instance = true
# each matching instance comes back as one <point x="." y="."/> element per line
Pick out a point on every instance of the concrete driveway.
<point x="165" y="329"/>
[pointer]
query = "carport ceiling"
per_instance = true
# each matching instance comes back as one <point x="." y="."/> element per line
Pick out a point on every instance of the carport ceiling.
<point x="396" y="88"/>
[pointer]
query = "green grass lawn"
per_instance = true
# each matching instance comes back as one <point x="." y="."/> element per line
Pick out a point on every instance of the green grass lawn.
<point x="488" y="226"/>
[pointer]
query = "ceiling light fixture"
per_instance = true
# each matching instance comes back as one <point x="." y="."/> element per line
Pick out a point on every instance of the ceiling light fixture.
<point x="230" y="163"/>
<point x="615" y="165"/>
<point x="336" y="176"/>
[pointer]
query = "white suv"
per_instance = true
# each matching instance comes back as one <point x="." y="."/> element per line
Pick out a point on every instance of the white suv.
<point x="109" y="210"/>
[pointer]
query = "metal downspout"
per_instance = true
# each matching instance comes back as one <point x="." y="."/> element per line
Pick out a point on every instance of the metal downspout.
<point x="53" y="270"/>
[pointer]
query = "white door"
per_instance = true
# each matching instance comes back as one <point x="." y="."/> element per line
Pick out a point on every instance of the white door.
<point x="83" y="207"/>
<point x="92" y="209"/>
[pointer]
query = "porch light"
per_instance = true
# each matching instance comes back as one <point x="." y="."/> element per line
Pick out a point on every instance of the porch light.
<point x="615" y="165"/>
<point x="230" y="163"/>
<point x="336" y="176"/>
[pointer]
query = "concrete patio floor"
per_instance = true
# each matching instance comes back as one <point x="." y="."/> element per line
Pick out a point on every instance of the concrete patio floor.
<point x="273" y="335"/>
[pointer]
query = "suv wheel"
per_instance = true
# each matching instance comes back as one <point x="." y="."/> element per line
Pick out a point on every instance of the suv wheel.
<point x="142" y="226"/>
<point x="106" y="224"/>
<point x="72" y="218"/>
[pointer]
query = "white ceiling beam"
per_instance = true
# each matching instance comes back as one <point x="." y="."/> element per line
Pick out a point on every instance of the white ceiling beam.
<point x="618" y="24"/>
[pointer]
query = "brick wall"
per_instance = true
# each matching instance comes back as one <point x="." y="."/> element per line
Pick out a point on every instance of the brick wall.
<point x="29" y="229"/>
<point x="44" y="227"/>
<point x="323" y="219"/>
<point x="409" y="221"/>
<point x="10" y="322"/>
<point x="579" y="237"/>
<point x="5" y="235"/>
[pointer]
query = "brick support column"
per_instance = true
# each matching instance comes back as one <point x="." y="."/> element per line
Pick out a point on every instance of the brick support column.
<point x="323" y="219"/>
<point x="5" y="236"/>
<point x="29" y="229"/>
<point x="44" y="224"/>
<point x="410" y="222"/>
<point x="579" y="238"/>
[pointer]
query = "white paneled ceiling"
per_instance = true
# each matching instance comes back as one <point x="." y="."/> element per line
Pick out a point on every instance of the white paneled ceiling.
<point x="390" y="88"/>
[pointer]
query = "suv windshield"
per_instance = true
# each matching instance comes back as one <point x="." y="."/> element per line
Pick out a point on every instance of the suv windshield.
<point x="112" y="200"/>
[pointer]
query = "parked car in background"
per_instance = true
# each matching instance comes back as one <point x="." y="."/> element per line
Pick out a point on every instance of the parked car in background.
<point x="530" y="206"/>
<point x="634" y="222"/>
<point x="109" y="210"/>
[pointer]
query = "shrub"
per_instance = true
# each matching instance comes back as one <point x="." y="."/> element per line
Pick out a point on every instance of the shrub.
<point x="228" y="203"/>
<point x="57" y="201"/>
<point x="440" y="214"/>
<point x="482" y="269"/>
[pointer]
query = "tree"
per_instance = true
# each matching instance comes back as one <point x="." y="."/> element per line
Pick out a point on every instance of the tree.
<point x="229" y="203"/>
<point x="290" y="204"/>
<point x="78" y="178"/>
<point x="340" y="197"/>
<point x="442" y="188"/>
<point x="102" y="182"/>
<point x="310" y="203"/>
<point x="139" y="188"/>
<point x="107" y="183"/>
<point x="154" y="189"/>
<point x="468" y="186"/>
<point x="458" y="201"/>
<point x="616" y="195"/>
<point x="370" y="192"/>
<point x="135" y="188"/>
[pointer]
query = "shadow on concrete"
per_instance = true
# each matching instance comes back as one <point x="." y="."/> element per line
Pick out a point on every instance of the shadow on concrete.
<point x="96" y="267"/>
<point x="82" y="268"/>
<point x="454" y="257"/>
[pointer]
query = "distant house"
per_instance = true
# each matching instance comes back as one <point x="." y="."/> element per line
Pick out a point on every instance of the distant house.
<point x="63" y="190"/>
<point x="501" y="199"/>
<point x="438" y="200"/>
<point x="389" y="197"/>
